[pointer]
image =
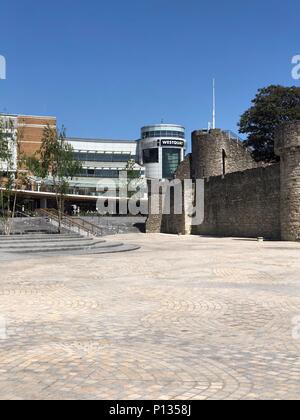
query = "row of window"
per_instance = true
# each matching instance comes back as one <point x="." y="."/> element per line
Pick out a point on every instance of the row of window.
<point x="158" y="133"/>
<point x="101" y="173"/>
<point x="103" y="157"/>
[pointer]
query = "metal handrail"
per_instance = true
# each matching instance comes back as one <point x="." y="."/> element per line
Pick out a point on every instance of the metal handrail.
<point x="89" y="225"/>
<point x="53" y="215"/>
<point x="70" y="222"/>
<point x="233" y="136"/>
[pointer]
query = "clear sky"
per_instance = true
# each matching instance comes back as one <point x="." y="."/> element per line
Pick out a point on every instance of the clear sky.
<point x="105" y="68"/>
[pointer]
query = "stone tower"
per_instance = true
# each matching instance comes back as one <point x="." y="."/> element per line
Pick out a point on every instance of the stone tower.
<point x="216" y="152"/>
<point x="287" y="146"/>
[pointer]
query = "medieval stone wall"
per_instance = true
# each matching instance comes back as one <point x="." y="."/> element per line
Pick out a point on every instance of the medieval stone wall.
<point x="179" y="223"/>
<point x="215" y="153"/>
<point x="287" y="146"/>
<point x="242" y="198"/>
<point x="243" y="204"/>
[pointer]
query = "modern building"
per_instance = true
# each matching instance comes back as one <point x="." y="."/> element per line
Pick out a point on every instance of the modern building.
<point x="9" y="132"/>
<point x="102" y="161"/>
<point x="161" y="149"/>
<point x="30" y="130"/>
<point x="27" y="131"/>
<point x="156" y="155"/>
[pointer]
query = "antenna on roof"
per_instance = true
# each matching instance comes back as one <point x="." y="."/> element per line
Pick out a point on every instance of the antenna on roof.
<point x="214" y="105"/>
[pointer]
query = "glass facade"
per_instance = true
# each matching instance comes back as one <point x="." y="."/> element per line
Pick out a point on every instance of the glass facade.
<point x="171" y="161"/>
<point x="102" y="173"/>
<point x="103" y="157"/>
<point x="99" y="173"/>
<point x="150" y="156"/>
<point x="163" y="134"/>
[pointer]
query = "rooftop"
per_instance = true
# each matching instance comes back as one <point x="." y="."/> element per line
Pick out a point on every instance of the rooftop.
<point x="3" y="114"/>
<point x="78" y="139"/>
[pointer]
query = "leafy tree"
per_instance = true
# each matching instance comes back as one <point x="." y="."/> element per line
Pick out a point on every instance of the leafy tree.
<point x="134" y="179"/>
<point x="271" y="107"/>
<point x="55" y="162"/>
<point x="132" y="172"/>
<point x="12" y="174"/>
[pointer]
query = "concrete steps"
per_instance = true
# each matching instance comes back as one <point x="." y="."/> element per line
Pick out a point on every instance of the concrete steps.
<point x="37" y="237"/>
<point x="33" y="225"/>
<point x="59" y="245"/>
<point x="4" y="242"/>
<point x="50" y="245"/>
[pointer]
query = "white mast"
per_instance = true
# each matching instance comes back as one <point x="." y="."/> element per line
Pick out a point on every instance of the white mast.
<point x="214" y="105"/>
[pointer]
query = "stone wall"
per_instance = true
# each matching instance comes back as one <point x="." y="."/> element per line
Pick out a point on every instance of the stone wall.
<point x="243" y="204"/>
<point x="179" y="223"/>
<point x="242" y="198"/>
<point x="170" y="223"/>
<point x="154" y="220"/>
<point x="184" y="169"/>
<point x="287" y="146"/>
<point x="216" y="153"/>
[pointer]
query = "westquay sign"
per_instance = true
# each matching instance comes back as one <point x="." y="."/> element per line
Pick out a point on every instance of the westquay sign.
<point x="2" y="68"/>
<point x="178" y="143"/>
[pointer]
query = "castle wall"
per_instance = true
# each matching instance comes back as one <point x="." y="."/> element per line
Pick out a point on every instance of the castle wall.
<point x="154" y="220"/>
<point x="243" y="204"/>
<point x="287" y="146"/>
<point x="215" y="153"/>
<point x="242" y="198"/>
<point x="179" y="223"/>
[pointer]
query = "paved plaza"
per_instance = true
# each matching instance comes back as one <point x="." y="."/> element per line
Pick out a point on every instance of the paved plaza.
<point x="180" y="318"/>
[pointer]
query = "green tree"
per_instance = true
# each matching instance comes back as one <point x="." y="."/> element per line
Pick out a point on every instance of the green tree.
<point x="132" y="172"/>
<point x="12" y="175"/>
<point x="55" y="162"/>
<point x="271" y="107"/>
<point x="134" y="179"/>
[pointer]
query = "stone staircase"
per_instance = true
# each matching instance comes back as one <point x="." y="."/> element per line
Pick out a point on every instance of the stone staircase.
<point x="118" y="225"/>
<point x="71" y="224"/>
<point x="33" y="225"/>
<point x="50" y="244"/>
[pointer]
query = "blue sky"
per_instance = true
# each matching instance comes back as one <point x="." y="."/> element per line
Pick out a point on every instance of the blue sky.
<point x="105" y="68"/>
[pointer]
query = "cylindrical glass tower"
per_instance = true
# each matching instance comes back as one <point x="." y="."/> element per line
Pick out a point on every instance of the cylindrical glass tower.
<point x="161" y="149"/>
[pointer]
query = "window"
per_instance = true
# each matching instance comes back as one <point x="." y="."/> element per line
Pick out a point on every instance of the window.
<point x="224" y="156"/>
<point x="150" y="156"/>
<point x="98" y="173"/>
<point x="103" y="157"/>
<point x="158" y="133"/>
<point x="171" y="161"/>
<point x="107" y="173"/>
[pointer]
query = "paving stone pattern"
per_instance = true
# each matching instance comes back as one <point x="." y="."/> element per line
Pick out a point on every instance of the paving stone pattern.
<point x="180" y="318"/>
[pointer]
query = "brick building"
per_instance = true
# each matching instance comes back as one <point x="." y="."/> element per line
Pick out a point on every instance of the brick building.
<point x="30" y="131"/>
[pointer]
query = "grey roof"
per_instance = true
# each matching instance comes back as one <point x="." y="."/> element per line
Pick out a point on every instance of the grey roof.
<point x="100" y="140"/>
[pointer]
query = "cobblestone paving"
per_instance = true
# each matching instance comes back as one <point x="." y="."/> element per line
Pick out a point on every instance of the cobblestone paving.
<point x="182" y="318"/>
